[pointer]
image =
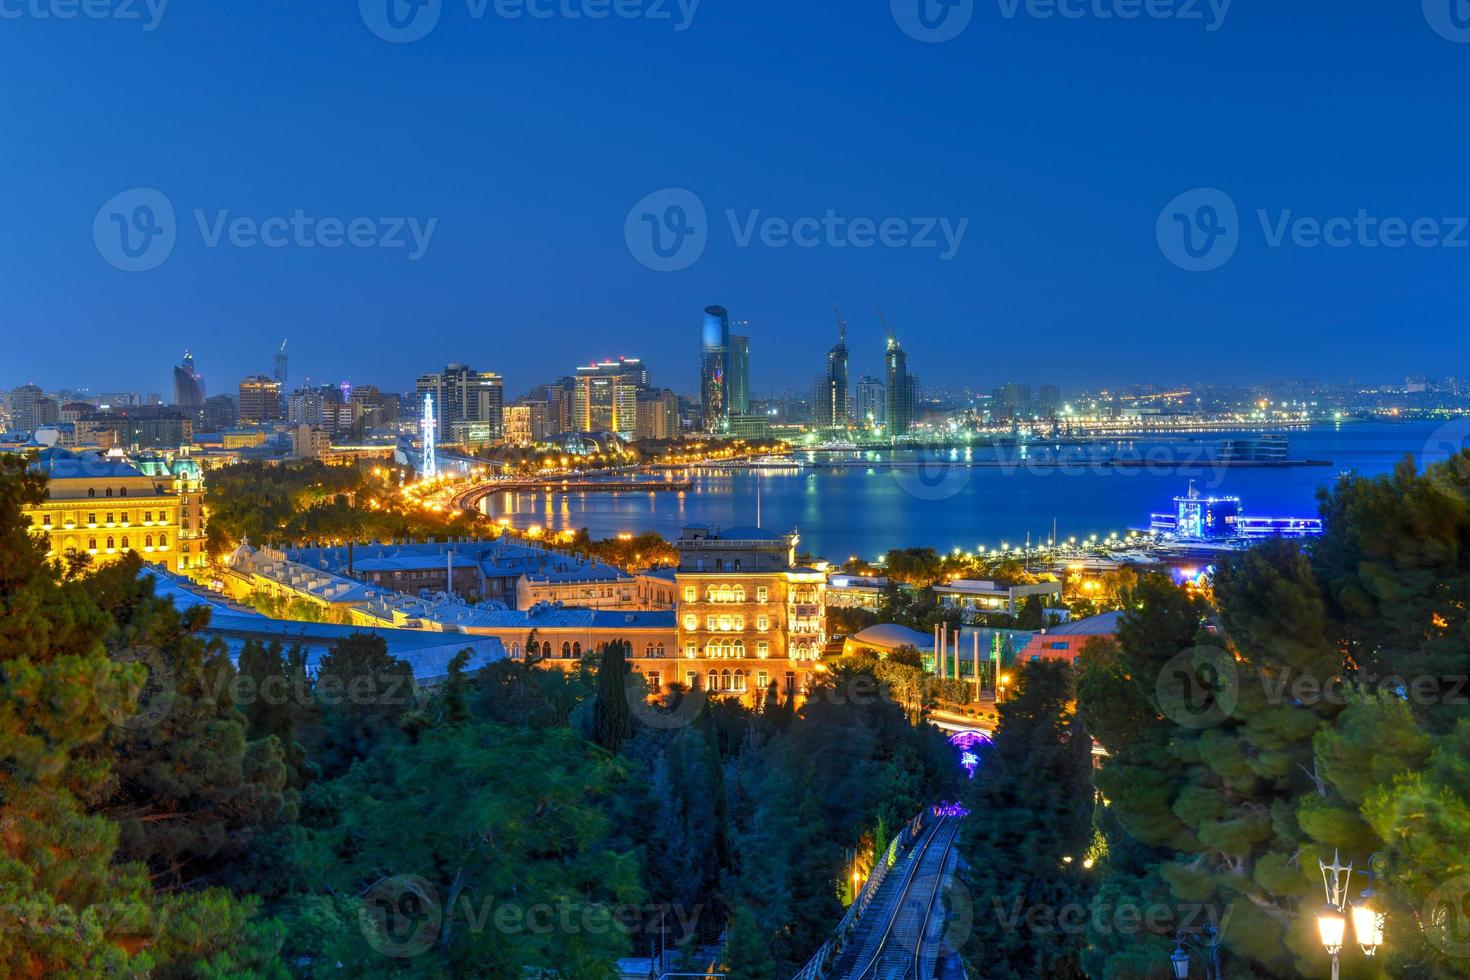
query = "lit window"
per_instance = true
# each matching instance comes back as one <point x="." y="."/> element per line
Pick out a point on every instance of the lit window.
<point x="762" y="594"/>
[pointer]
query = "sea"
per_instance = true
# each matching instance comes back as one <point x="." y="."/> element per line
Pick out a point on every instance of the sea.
<point x="865" y="503"/>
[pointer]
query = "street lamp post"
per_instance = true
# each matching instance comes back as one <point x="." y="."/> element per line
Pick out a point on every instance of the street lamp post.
<point x="1332" y="921"/>
<point x="1208" y="949"/>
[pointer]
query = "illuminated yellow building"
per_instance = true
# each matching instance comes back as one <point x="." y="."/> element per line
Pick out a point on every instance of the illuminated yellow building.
<point x="747" y="615"/>
<point x="108" y="505"/>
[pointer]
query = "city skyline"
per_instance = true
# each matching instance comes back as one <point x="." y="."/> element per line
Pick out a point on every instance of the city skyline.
<point x="1059" y="265"/>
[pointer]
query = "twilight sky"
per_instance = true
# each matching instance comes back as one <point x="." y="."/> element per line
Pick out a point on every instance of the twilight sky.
<point x="496" y="186"/>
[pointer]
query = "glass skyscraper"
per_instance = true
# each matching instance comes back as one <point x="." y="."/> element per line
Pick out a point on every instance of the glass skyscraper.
<point x="900" y="389"/>
<point x="714" y="369"/>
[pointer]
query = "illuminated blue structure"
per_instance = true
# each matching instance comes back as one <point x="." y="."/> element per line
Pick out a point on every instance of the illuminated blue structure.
<point x="1222" y="519"/>
<point x="968" y="743"/>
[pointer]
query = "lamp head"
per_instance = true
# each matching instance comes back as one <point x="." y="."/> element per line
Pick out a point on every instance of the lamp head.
<point x="1331" y="926"/>
<point x="1368" y="927"/>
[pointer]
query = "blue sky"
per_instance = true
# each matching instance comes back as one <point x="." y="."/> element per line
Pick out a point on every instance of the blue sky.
<point x="523" y="145"/>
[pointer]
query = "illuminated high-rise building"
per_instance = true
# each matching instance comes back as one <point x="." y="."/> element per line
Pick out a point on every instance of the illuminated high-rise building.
<point x="607" y="396"/>
<point x="188" y="384"/>
<point x="900" y="389"/>
<point x="714" y="369"/>
<point x="260" y="399"/>
<point x="739" y="373"/>
<point x="831" y="395"/>
<point x="468" y="404"/>
<point x="872" y="403"/>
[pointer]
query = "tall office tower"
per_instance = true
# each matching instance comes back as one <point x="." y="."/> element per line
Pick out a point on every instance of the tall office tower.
<point x="714" y="370"/>
<point x="830" y="407"/>
<point x="1049" y="401"/>
<point x="188" y="384"/>
<point x="658" y="415"/>
<point x="260" y="399"/>
<point x="872" y="407"/>
<point x="280" y="374"/>
<point x="1012" y="400"/>
<point x="900" y="389"/>
<point x="469" y="405"/>
<point x="560" y="398"/>
<point x="220" y="413"/>
<point x="740" y="373"/>
<point x="607" y="397"/>
<point x="27" y="408"/>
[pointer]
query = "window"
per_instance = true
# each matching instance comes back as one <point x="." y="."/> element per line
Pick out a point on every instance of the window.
<point x="762" y="594"/>
<point x="762" y="680"/>
<point x="148" y="541"/>
<point x="515" y="651"/>
<point x="163" y="540"/>
<point x="91" y="518"/>
<point x="91" y="544"/>
<point x="711" y="622"/>
<point x="91" y="491"/>
<point x="712" y="683"/>
<point x="46" y="519"/>
<point x="691" y="651"/>
<point x="655" y="682"/>
<point x="763" y="649"/>
<point x="566" y="650"/>
<point x="762" y="623"/>
<point x="739" y="680"/>
<point x="739" y="593"/>
<point x="110" y="520"/>
<point x="691" y="680"/>
<point x="125" y="542"/>
<point x="109" y="491"/>
<point x="719" y="562"/>
<point x="577" y="649"/>
<point x="123" y="492"/>
<point x="660" y="651"/>
<point x="648" y="651"/>
<point x="111" y="545"/>
<point x="691" y="621"/>
<point x="791" y="682"/>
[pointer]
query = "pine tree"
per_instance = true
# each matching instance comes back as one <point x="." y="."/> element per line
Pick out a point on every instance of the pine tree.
<point x="1028" y="832"/>
<point x="613" y="724"/>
